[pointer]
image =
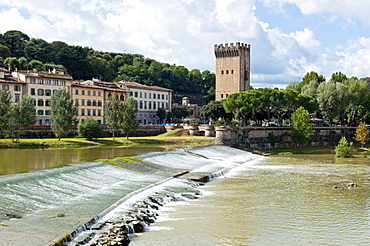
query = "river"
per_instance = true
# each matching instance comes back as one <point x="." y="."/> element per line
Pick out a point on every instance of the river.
<point x="260" y="201"/>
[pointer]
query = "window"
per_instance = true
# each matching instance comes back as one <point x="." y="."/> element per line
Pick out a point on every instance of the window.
<point x="99" y="103"/>
<point x="40" y="103"/>
<point x="32" y="80"/>
<point x="94" y="93"/>
<point x="150" y="105"/>
<point x="154" y="105"/>
<point x="222" y="95"/>
<point x="131" y="94"/>
<point x="166" y="97"/>
<point x="141" y="94"/>
<point x="99" y="112"/>
<point x="76" y="92"/>
<point x="17" y="88"/>
<point x="76" y="102"/>
<point x="48" y="82"/>
<point x="88" y="93"/>
<point x="159" y="96"/>
<point x="47" y="92"/>
<point x="33" y="91"/>
<point x="167" y="106"/>
<point x="109" y="95"/>
<point x="222" y="71"/>
<point x="99" y="94"/>
<point x="17" y="97"/>
<point x="56" y="82"/>
<point x="150" y="95"/>
<point x="82" y="111"/>
<point x="40" y="92"/>
<point x="94" y="103"/>
<point x="89" y="112"/>
<point x="47" y="103"/>
<point x="145" y="105"/>
<point x="162" y="105"/>
<point x="136" y="93"/>
<point x="88" y="103"/>
<point x="40" y="112"/>
<point x="227" y="71"/>
<point x="83" y="102"/>
<point x="94" y="112"/>
<point x="121" y="97"/>
<point x="162" y="96"/>
<point x="232" y="71"/>
<point x="5" y="87"/>
<point x="54" y="91"/>
<point x="82" y="92"/>
<point x="141" y="105"/>
<point x="154" y="96"/>
<point x="62" y="83"/>
<point x="145" y="95"/>
<point x="41" y="81"/>
<point x="47" y="112"/>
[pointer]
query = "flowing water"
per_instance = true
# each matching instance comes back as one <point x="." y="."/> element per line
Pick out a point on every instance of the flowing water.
<point x="260" y="201"/>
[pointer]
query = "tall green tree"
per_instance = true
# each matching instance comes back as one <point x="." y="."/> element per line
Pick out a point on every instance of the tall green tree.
<point x="6" y="114"/>
<point x="63" y="112"/>
<point x="215" y="110"/>
<point x="312" y="76"/>
<point x="24" y="115"/>
<point x="338" y="77"/>
<point x="362" y="134"/>
<point x="114" y="113"/>
<point x="129" y="122"/>
<point x="161" y="113"/>
<point x="357" y="93"/>
<point x="301" y="126"/>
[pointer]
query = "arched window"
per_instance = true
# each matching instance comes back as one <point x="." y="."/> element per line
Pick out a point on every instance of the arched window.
<point x="121" y="97"/>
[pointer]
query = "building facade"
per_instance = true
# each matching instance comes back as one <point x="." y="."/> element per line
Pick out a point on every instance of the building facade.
<point x="149" y="98"/>
<point x="40" y="85"/>
<point x="91" y="98"/>
<point x="232" y="69"/>
<point x="15" y="86"/>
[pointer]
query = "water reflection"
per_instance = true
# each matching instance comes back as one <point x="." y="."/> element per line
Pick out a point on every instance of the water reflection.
<point x="24" y="160"/>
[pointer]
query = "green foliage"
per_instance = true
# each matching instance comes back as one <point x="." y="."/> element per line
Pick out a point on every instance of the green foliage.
<point x="344" y="149"/>
<point x="62" y="112"/>
<point x="301" y="126"/>
<point x="161" y="113"/>
<point x="312" y="76"/>
<point x="213" y="111"/>
<point x="24" y="115"/>
<point x="114" y="113"/>
<point x="4" y="51"/>
<point x="129" y="122"/>
<point x="6" y="115"/>
<point x="362" y="134"/>
<point x="272" y="139"/>
<point x="89" y="129"/>
<point x="181" y="112"/>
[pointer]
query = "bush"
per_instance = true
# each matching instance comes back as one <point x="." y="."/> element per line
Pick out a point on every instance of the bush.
<point x="344" y="149"/>
<point x="89" y="129"/>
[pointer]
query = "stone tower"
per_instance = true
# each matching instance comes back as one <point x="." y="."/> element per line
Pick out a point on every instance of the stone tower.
<point x="232" y="69"/>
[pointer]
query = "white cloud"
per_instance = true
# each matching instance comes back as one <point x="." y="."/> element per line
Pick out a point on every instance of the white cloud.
<point x="305" y="38"/>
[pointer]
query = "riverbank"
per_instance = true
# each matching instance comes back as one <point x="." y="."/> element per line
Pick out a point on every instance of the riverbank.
<point x="175" y="137"/>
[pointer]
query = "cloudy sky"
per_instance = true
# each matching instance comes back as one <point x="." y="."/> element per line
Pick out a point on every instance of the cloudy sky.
<point x="288" y="37"/>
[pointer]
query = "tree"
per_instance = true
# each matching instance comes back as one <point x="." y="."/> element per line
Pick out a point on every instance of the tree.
<point x="24" y="115"/>
<point x="114" y="113"/>
<point x="312" y="76"/>
<point x="338" y="77"/>
<point x="301" y="126"/>
<point x="129" y="122"/>
<point x="161" y="113"/>
<point x="6" y="113"/>
<point x="181" y="112"/>
<point x="362" y="134"/>
<point x="344" y="149"/>
<point x="62" y="112"/>
<point x="89" y="129"/>
<point x="4" y="51"/>
<point x="357" y="93"/>
<point x="215" y="110"/>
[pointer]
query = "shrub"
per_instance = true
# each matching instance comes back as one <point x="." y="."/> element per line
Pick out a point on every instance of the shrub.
<point x="89" y="129"/>
<point x="344" y="149"/>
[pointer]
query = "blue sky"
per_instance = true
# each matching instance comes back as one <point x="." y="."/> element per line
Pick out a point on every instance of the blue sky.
<point x="288" y="38"/>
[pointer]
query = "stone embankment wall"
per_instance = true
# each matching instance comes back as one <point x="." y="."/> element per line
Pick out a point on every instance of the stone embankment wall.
<point x="47" y="132"/>
<point x="279" y="137"/>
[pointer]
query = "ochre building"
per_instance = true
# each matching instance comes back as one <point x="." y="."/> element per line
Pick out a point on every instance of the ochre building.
<point x="232" y="69"/>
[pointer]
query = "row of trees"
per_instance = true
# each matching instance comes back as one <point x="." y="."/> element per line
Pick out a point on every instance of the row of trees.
<point x="339" y="100"/>
<point x="19" y="51"/>
<point x="16" y="118"/>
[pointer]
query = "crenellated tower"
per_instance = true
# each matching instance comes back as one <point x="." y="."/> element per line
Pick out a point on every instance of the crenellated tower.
<point x="232" y="69"/>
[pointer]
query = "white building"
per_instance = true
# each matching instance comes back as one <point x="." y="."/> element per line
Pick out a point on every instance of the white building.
<point x="150" y="99"/>
<point x="40" y="85"/>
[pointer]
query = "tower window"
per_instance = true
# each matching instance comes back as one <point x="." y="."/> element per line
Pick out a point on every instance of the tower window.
<point x="222" y="95"/>
<point x="232" y="71"/>
<point x="227" y="71"/>
<point x="222" y="71"/>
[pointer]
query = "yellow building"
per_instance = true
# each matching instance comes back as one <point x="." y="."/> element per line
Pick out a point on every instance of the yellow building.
<point x="91" y="98"/>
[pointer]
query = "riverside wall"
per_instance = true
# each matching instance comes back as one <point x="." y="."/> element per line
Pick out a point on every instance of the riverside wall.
<point x="279" y="137"/>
